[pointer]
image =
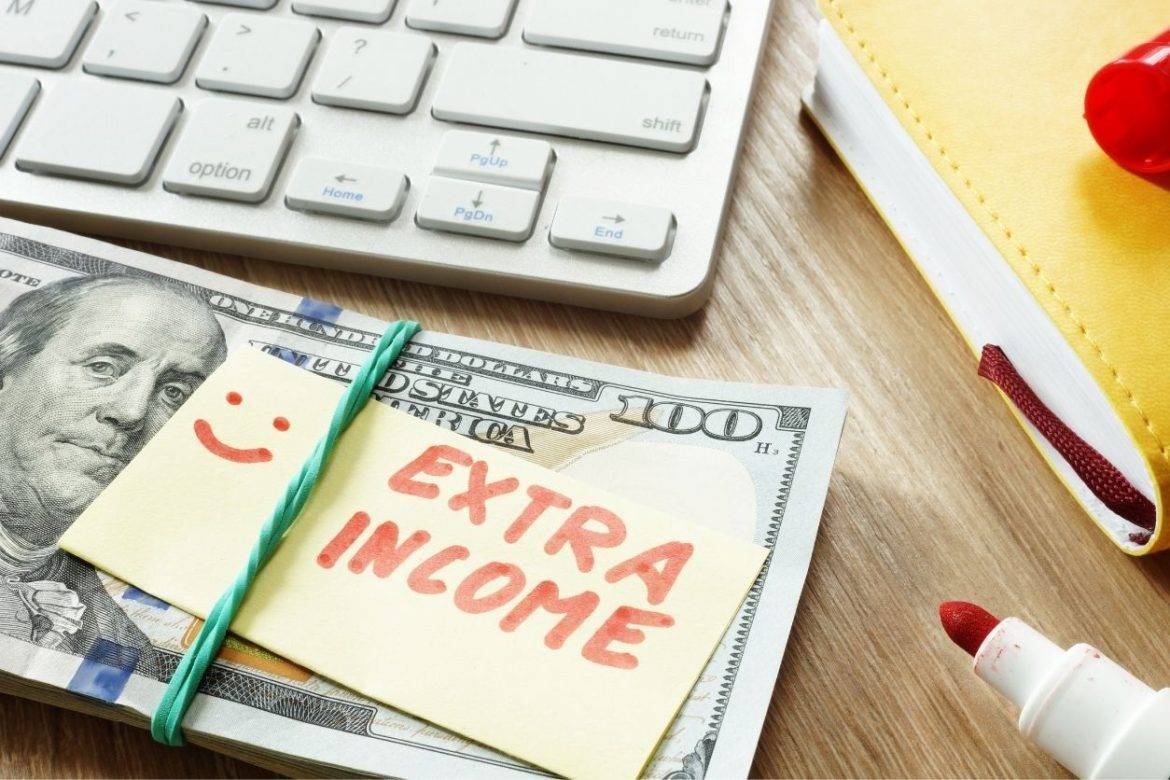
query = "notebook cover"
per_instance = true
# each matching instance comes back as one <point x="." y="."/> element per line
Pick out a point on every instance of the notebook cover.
<point x="992" y="92"/>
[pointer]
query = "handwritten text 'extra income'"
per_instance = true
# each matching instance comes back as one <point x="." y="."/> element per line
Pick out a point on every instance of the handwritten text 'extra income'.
<point x="501" y="586"/>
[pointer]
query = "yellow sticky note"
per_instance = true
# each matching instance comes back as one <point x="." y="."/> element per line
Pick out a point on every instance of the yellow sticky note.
<point x="512" y="604"/>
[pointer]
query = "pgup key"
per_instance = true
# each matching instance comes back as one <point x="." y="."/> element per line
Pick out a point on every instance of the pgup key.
<point x="231" y="149"/>
<point x="476" y="209"/>
<point x="495" y="159"/>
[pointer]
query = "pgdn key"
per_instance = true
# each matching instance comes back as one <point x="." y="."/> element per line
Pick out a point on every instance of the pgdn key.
<point x="483" y="210"/>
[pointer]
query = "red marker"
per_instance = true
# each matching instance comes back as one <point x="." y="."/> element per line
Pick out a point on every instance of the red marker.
<point x="1088" y="713"/>
<point x="1127" y="106"/>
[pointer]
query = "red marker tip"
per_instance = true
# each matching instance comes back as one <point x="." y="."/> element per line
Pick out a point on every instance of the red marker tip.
<point x="966" y="624"/>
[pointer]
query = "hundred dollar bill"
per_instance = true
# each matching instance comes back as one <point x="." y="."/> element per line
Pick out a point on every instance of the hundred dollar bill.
<point x="100" y="344"/>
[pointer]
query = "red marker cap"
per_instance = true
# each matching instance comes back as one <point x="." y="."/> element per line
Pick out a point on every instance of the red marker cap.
<point x="1127" y="106"/>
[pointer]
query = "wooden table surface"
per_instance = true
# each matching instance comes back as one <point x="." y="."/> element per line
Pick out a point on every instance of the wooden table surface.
<point x="937" y="493"/>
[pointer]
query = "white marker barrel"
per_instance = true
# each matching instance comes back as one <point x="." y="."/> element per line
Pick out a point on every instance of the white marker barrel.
<point x="1088" y="713"/>
<point x="1015" y="658"/>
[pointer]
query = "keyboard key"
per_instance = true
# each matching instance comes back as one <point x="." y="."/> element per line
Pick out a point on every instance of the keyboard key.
<point x="481" y="18"/>
<point x="374" y="71"/>
<point x="372" y="11"/>
<point x="43" y="33"/>
<point x="262" y="5"/>
<point x="231" y="149"/>
<point x="582" y="97"/>
<point x="254" y="55"/>
<point x="655" y="29"/>
<point x="98" y="130"/>
<point x="145" y="40"/>
<point x="17" y="92"/>
<point x="612" y="228"/>
<point x="347" y="189"/>
<point x="477" y="209"/>
<point x="495" y="159"/>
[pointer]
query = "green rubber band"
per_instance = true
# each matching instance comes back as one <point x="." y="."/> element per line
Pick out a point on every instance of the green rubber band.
<point x="166" y="725"/>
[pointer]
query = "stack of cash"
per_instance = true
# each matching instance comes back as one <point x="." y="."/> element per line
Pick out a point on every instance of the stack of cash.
<point x="99" y="345"/>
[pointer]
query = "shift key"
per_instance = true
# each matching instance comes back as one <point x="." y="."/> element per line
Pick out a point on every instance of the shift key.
<point x="231" y="149"/>
<point x="650" y="106"/>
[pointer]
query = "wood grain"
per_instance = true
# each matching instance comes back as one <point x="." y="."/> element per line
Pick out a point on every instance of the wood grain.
<point x="937" y="493"/>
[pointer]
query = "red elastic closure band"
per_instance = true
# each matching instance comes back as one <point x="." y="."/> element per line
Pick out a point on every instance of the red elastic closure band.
<point x="1099" y="475"/>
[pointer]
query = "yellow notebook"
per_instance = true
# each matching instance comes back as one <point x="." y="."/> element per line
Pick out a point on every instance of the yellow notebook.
<point x="963" y="122"/>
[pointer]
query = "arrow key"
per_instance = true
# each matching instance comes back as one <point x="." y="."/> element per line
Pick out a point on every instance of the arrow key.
<point x="455" y="206"/>
<point x="347" y="190"/>
<point x="495" y="159"/>
<point x="613" y="228"/>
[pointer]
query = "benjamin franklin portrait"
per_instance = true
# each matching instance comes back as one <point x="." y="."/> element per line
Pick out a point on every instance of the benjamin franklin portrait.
<point x="90" y="369"/>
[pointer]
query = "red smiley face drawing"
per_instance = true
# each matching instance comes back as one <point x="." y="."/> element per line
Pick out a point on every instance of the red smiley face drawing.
<point x="216" y="447"/>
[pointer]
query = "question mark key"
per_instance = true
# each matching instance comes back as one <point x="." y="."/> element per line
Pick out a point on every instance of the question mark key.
<point x="373" y="70"/>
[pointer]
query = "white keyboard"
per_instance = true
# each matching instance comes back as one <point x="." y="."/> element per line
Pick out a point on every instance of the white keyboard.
<point x="572" y="150"/>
